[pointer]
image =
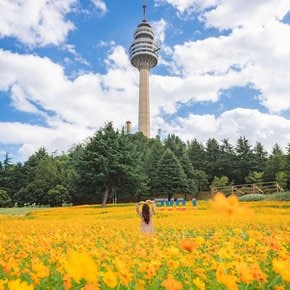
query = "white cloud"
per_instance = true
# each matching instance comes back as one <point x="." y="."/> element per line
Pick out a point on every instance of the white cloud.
<point x="255" y="126"/>
<point x="31" y="137"/>
<point x="257" y="50"/>
<point x="159" y="28"/>
<point x="40" y="22"/>
<point x="229" y="14"/>
<point x="188" y="6"/>
<point x="100" y="5"/>
<point x="85" y="102"/>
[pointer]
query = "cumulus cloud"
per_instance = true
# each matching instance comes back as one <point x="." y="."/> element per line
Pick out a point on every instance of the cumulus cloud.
<point x="36" y="23"/>
<point x="257" y="49"/>
<point x="255" y="126"/>
<point x="31" y="137"/>
<point x="38" y="86"/>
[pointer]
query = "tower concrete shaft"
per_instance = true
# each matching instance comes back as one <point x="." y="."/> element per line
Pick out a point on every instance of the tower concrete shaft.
<point x="144" y="104"/>
<point x="144" y="56"/>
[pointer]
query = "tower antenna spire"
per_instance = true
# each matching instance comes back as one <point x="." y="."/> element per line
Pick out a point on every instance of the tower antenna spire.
<point x="144" y="10"/>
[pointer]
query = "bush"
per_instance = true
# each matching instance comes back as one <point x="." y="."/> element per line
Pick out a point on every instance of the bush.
<point x="252" y="197"/>
<point x="5" y="200"/>
<point x="282" y="196"/>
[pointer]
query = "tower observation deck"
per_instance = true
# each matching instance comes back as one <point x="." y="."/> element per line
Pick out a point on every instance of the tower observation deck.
<point x="144" y="56"/>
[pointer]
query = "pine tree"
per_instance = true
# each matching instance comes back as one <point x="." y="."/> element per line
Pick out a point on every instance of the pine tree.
<point x="171" y="177"/>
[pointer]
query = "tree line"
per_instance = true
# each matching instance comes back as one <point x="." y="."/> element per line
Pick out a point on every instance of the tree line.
<point x="113" y="163"/>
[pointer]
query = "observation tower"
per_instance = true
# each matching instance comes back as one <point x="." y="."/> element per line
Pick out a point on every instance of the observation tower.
<point x="144" y="56"/>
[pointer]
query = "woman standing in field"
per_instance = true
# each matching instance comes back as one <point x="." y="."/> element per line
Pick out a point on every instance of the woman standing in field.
<point x="146" y="215"/>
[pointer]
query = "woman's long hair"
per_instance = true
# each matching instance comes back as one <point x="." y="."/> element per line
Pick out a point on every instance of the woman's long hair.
<point x="146" y="213"/>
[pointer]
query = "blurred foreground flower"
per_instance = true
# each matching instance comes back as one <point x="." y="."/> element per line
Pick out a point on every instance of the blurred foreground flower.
<point x="228" y="205"/>
<point x="82" y="266"/>
<point x="188" y="244"/>
<point x="282" y="267"/>
<point x="171" y="284"/>
<point x="19" y="285"/>
<point x="110" y="279"/>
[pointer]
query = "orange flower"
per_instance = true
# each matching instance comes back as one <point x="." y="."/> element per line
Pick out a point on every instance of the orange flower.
<point x="187" y="244"/>
<point x="171" y="284"/>
<point x="273" y="242"/>
<point x="258" y="274"/>
<point x="245" y="272"/>
<point x="91" y="286"/>
<point x="228" y="205"/>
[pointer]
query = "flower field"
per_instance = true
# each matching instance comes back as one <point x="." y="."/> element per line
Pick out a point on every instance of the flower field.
<point x="218" y="245"/>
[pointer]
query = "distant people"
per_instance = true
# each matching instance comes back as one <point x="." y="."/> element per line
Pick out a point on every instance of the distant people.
<point x="146" y="213"/>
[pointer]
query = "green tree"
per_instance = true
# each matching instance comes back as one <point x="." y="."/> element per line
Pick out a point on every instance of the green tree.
<point x="255" y="177"/>
<point x="5" y="199"/>
<point x="152" y="157"/>
<point x="109" y="162"/>
<point x="58" y="195"/>
<point x="191" y="182"/>
<point x="244" y="160"/>
<point x="172" y="178"/>
<point x="175" y="144"/>
<point x="275" y="163"/>
<point x="196" y="154"/>
<point x="260" y="157"/>
<point x="48" y="172"/>
<point x="282" y="178"/>
<point x="221" y="184"/>
<point x="213" y="157"/>
<point x="6" y="174"/>
<point x="227" y="159"/>
<point x="201" y="180"/>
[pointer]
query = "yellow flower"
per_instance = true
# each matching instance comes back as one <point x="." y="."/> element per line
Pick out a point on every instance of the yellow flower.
<point x="39" y="268"/>
<point x="228" y="280"/>
<point x="199" y="240"/>
<point x="198" y="283"/>
<point x="82" y="266"/>
<point x="141" y="285"/>
<point x="110" y="279"/>
<point x="282" y="267"/>
<point x="171" y="284"/>
<point x="125" y="277"/>
<point x="19" y="285"/>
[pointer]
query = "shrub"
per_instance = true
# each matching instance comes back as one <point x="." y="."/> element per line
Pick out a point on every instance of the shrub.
<point x="283" y="196"/>
<point x="252" y="197"/>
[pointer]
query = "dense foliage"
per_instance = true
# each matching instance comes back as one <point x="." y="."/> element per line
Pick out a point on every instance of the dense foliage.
<point x="116" y="165"/>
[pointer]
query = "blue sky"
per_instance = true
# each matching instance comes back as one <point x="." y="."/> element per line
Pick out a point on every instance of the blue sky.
<point x="223" y="71"/>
